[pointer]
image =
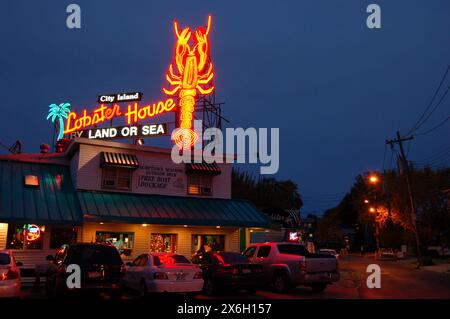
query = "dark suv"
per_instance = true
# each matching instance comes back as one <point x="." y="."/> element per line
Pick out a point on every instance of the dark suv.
<point x="101" y="269"/>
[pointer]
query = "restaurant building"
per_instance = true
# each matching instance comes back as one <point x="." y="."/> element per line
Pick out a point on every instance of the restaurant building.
<point x="131" y="196"/>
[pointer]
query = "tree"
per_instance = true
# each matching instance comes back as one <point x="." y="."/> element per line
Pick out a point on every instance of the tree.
<point x="265" y="193"/>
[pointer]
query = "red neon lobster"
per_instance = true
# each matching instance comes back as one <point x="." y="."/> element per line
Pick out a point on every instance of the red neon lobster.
<point x="194" y="70"/>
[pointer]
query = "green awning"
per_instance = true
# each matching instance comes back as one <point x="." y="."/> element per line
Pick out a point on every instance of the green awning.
<point x="52" y="199"/>
<point x="169" y="210"/>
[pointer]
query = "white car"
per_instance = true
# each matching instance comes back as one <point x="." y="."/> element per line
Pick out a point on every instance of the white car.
<point x="9" y="275"/>
<point x="163" y="272"/>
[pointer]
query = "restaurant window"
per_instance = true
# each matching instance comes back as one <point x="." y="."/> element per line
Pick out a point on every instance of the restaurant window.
<point x="124" y="242"/>
<point x="116" y="178"/>
<point x="62" y="236"/>
<point x="25" y="236"/>
<point x="163" y="243"/>
<point x="200" y="184"/>
<point x="205" y="243"/>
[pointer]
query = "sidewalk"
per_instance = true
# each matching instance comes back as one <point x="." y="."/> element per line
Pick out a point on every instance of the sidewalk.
<point x="441" y="266"/>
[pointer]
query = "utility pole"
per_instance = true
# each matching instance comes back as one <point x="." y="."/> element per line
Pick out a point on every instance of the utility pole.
<point x="399" y="140"/>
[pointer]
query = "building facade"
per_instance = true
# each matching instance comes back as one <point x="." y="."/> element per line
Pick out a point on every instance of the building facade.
<point x="133" y="197"/>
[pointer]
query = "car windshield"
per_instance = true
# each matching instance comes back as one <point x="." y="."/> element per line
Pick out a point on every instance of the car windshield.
<point x="231" y="258"/>
<point x="4" y="259"/>
<point x="170" y="259"/>
<point x="95" y="254"/>
<point x="291" y="249"/>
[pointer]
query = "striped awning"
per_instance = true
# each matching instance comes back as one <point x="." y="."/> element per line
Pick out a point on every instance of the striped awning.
<point x="212" y="168"/>
<point x="119" y="160"/>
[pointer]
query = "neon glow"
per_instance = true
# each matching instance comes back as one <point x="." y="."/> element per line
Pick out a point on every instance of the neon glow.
<point x="194" y="73"/>
<point x="293" y="236"/>
<point x="59" y="112"/>
<point x="103" y="113"/>
<point x="33" y="232"/>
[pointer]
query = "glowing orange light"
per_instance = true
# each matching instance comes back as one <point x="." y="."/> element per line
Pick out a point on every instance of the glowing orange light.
<point x="373" y="179"/>
<point x="103" y="113"/>
<point x="372" y="210"/>
<point x="194" y="73"/>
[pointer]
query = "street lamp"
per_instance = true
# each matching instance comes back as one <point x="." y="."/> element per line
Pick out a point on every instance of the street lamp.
<point x="373" y="179"/>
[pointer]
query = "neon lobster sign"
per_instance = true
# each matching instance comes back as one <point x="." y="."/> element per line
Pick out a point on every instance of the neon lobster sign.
<point x="194" y="72"/>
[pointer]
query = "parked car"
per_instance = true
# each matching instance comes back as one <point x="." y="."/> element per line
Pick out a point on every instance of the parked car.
<point x="287" y="265"/>
<point x="10" y="282"/>
<point x="163" y="272"/>
<point x="386" y="253"/>
<point x="228" y="270"/>
<point x="327" y="251"/>
<point x="100" y="264"/>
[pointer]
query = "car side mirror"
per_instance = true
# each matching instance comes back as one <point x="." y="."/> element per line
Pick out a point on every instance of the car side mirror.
<point x="50" y="258"/>
<point x="19" y="264"/>
<point x="129" y="263"/>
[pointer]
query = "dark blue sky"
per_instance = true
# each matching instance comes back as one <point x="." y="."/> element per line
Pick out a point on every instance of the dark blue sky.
<point x="335" y="88"/>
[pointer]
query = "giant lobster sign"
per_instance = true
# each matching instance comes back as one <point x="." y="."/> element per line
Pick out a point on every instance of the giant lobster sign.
<point x="194" y="72"/>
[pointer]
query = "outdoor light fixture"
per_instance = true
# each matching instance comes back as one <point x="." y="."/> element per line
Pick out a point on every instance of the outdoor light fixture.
<point x="144" y="225"/>
<point x="373" y="179"/>
<point x="139" y="141"/>
<point x="217" y="226"/>
<point x="372" y="210"/>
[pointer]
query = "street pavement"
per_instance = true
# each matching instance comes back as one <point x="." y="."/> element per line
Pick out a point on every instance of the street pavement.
<point x="399" y="280"/>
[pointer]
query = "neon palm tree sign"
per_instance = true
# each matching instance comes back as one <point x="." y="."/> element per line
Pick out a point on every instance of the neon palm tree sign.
<point x="59" y="112"/>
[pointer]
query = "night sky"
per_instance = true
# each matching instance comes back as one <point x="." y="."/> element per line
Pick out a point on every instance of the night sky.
<point x="335" y="88"/>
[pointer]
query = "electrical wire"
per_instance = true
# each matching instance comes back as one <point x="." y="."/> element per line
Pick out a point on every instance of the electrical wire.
<point x="420" y="121"/>
<point x="433" y="128"/>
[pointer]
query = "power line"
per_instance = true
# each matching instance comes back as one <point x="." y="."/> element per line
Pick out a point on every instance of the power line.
<point x="434" y="128"/>
<point x="419" y="123"/>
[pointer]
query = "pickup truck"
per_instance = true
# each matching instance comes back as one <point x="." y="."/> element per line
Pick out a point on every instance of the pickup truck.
<point x="286" y="265"/>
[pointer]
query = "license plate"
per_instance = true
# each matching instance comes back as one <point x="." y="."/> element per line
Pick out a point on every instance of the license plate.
<point x="94" y="274"/>
<point x="246" y="271"/>
<point x="179" y="276"/>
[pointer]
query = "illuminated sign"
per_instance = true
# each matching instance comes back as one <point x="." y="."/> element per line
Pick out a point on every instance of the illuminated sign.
<point x="59" y="112"/>
<point x="33" y="232"/>
<point x="293" y="236"/>
<point x="149" y="130"/>
<point x="120" y="97"/>
<point x="190" y="73"/>
<point x="194" y="72"/>
<point x="133" y="114"/>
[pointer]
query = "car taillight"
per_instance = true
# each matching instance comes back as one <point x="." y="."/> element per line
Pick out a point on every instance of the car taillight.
<point x="302" y="264"/>
<point x="9" y="274"/>
<point x="160" y="275"/>
<point x="198" y="275"/>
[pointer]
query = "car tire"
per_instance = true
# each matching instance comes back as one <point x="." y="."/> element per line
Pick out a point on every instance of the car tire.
<point x="318" y="287"/>
<point x="116" y="295"/>
<point x="280" y="282"/>
<point x="209" y="287"/>
<point x="143" y="290"/>
<point x="251" y="290"/>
